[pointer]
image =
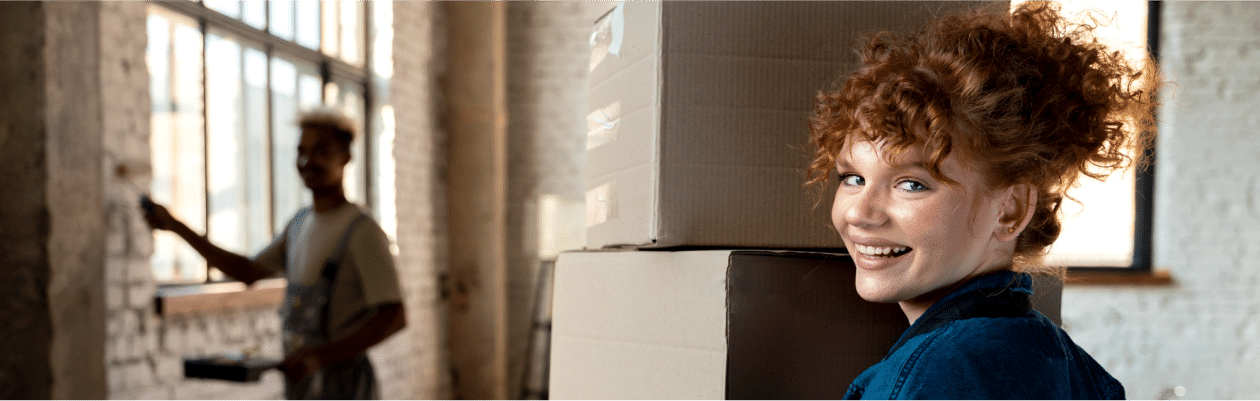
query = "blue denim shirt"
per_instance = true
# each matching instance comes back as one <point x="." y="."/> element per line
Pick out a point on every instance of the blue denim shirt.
<point x="984" y="341"/>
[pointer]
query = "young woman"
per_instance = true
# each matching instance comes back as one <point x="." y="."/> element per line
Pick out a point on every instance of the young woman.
<point x="954" y="146"/>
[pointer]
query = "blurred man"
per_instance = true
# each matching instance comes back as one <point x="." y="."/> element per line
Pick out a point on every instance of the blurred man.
<point x="342" y="295"/>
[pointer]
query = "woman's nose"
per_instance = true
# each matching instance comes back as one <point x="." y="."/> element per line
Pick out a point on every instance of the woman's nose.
<point x="865" y="209"/>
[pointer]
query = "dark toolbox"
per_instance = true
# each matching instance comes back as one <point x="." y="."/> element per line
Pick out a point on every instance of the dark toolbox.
<point x="228" y="367"/>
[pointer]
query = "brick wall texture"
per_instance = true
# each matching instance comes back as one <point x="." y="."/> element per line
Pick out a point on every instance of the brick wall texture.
<point x="1202" y="333"/>
<point x="421" y="208"/>
<point x="547" y="57"/>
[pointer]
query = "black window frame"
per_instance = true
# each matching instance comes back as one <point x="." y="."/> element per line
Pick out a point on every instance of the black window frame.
<point x="1144" y="179"/>
<point x="332" y="70"/>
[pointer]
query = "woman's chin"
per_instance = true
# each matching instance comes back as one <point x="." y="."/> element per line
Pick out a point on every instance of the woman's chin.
<point x="875" y="290"/>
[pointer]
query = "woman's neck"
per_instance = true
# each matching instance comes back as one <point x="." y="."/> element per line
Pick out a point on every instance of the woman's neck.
<point x="915" y="307"/>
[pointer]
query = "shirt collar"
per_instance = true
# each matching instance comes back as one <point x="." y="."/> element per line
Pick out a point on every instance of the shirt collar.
<point x="1001" y="293"/>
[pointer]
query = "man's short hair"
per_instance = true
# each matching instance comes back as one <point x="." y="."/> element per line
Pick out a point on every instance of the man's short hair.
<point x="336" y="122"/>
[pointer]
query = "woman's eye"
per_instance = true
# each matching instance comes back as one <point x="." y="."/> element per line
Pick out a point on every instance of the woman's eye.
<point x="912" y="186"/>
<point x="852" y="180"/>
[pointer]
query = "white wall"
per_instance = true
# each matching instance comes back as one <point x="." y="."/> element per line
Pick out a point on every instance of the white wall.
<point x="1203" y="332"/>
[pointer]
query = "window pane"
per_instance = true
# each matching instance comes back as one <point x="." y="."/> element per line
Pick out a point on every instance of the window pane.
<point x="348" y="97"/>
<point x="176" y="140"/>
<point x="231" y="8"/>
<point x="309" y="93"/>
<point x="307" y="23"/>
<point x="382" y="40"/>
<point x="381" y="140"/>
<point x="352" y="36"/>
<point x="257" y="152"/>
<point x="1098" y="230"/>
<point x="382" y="174"/>
<point x="254" y="13"/>
<point x="239" y="198"/>
<point x="331" y="34"/>
<point x="282" y="18"/>
<point x="287" y="95"/>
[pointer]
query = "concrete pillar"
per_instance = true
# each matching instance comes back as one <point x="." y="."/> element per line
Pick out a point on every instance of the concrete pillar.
<point x="477" y="198"/>
<point x="76" y="243"/>
<point x="53" y="228"/>
<point x="25" y="371"/>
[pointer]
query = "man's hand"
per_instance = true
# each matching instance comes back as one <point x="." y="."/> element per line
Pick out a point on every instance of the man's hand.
<point x="300" y="364"/>
<point x="158" y="217"/>
<point x="235" y="266"/>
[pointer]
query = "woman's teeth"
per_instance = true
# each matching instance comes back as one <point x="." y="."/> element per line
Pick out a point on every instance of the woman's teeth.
<point x="881" y="250"/>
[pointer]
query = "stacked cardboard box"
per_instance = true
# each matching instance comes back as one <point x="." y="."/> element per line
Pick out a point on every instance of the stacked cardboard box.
<point x="698" y="118"/>
<point x="718" y="324"/>
<point x="712" y="325"/>
<point x="698" y="141"/>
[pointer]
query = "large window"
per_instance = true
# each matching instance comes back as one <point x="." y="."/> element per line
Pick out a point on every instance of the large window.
<point x="228" y="81"/>
<point x="1109" y="225"/>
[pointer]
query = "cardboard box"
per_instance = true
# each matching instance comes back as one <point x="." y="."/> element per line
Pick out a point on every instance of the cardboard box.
<point x="717" y="325"/>
<point x="698" y="118"/>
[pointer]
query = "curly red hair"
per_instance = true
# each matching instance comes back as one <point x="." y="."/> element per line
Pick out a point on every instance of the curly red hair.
<point x="1023" y="96"/>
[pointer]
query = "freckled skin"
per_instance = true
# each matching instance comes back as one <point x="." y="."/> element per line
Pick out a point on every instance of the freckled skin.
<point x="950" y="240"/>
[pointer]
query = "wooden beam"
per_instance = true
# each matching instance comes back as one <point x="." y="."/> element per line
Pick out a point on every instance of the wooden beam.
<point x="1119" y="277"/>
<point x="210" y="298"/>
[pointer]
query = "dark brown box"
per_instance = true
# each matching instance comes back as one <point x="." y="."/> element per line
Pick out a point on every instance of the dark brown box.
<point x="227" y="368"/>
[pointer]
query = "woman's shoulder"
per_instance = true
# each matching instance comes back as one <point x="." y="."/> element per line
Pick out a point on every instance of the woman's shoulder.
<point x="1003" y="357"/>
<point x="999" y="357"/>
<point x="999" y="337"/>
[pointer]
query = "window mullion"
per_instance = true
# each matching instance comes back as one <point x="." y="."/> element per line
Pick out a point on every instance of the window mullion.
<point x="369" y="196"/>
<point x="1144" y="178"/>
<point x="249" y="33"/>
<point x="271" y="162"/>
<point x="205" y="132"/>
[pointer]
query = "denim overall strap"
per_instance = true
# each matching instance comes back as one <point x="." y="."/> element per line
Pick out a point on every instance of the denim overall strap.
<point x="306" y="325"/>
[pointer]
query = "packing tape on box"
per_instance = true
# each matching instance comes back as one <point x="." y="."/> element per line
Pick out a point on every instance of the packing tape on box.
<point x="601" y="204"/>
<point x="602" y="125"/>
<point x="608" y="36"/>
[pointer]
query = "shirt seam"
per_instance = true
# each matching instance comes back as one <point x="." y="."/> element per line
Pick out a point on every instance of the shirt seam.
<point x="913" y="360"/>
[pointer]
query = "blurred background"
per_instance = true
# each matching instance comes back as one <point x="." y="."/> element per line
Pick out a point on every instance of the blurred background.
<point x="472" y="156"/>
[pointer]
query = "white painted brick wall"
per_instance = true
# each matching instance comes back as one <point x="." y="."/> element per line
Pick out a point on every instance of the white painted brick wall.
<point x="547" y="58"/>
<point x="424" y="361"/>
<point x="1203" y="333"/>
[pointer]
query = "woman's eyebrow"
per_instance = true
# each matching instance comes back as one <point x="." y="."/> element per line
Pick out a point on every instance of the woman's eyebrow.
<point x="913" y="165"/>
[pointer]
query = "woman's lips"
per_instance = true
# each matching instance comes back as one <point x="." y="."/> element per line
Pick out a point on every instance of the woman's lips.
<point x="877" y="253"/>
<point x="877" y="262"/>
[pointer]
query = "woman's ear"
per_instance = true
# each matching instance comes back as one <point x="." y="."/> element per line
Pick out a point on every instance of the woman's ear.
<point x="1017" y="211"/>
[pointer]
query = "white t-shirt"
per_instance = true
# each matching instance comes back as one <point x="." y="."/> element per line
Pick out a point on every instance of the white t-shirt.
<point x="366" y="278"/>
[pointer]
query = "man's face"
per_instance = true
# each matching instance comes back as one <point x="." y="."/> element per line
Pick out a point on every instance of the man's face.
<point x="321" y="159"/>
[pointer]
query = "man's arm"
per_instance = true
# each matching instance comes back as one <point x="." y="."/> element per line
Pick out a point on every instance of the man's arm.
<point x="387" y="320"/>
<point x="235" y="266"/>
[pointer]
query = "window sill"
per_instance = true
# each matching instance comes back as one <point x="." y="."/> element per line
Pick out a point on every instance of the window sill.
<point x="218" y="297"/>
<point x="1095" y="277"/>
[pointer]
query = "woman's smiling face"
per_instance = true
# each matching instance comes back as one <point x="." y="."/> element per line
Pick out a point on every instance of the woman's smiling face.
<point x="910" y="234"/>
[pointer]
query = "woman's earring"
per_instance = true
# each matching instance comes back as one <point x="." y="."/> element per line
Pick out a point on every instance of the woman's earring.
<point x="1010" y="230"/>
